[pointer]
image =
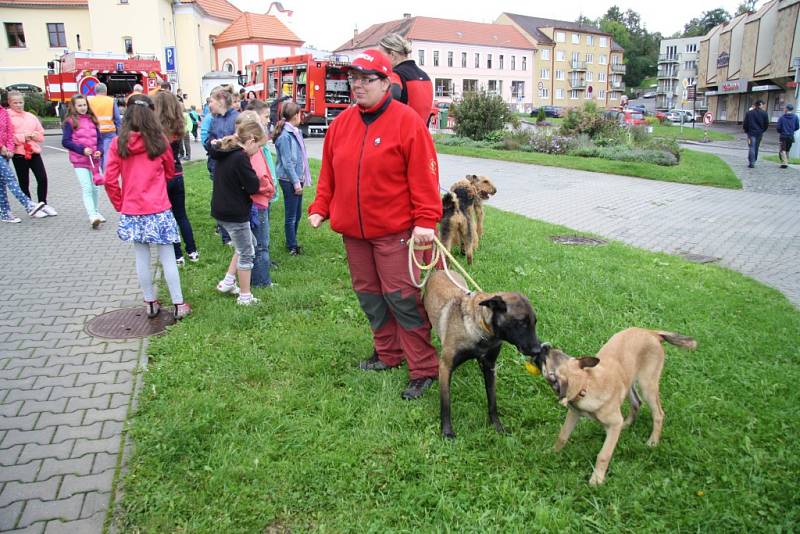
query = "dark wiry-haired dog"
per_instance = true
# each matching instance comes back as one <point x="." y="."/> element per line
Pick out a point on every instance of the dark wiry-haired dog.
<point x="474" y="326"/>
<point x="457" y="226"/>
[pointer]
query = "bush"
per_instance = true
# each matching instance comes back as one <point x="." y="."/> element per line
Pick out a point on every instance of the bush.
<point x="36" y="104"/>
<point x="541" y="117"/>
<point x="626" y="153"/>
<point x="479" y="114"/>
<point x="588" y="120"/>
<point x="548" y="142"/>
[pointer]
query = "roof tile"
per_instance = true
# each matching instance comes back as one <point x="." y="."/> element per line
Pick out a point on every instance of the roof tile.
<point x="256" y="26"/>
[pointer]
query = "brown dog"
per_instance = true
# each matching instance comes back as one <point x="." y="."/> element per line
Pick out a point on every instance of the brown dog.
<point x="597" y="387"/>
<point x="474" y="326"/>
<point x="485" y="189"/>
<point x="457" y="226"/>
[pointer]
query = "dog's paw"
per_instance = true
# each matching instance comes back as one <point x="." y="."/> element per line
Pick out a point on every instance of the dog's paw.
<point x="449" y="434"/>
<point x="597" y="479"/>
<point x="500" y="428"/>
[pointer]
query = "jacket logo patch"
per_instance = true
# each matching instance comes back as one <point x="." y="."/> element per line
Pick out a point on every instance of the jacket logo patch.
<point x="377" y="141"/>
<point x="432" y="165"/>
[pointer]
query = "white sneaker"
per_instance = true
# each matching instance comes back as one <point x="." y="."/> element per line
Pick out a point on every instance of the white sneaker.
<point x="194" y="256"/>
<point x="39" y="215"/>
<point x="247" y="302"/>
<point x="11" y="219"/>
<point x="222" y="287"/>
<point x="180" y="261"/>
<point x="95" y="222"/>
<point x="100" y="216"/>
<point x="36" y="209"/>
<point x="49" y="210"/>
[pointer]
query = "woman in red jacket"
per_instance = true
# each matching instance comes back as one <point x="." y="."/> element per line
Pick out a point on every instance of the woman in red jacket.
<point x="379" y="186"/>
<point x="411" y="85"/>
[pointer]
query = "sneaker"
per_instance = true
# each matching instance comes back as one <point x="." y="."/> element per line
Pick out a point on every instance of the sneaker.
<point x="152" y="307"/>
<point x="294" y="252"/>
<point x="222" y="287"/>
<point x="784" y="166"/>
<point x="11" y="219"/>
<point x="374" y="363"/>
<point x="100" y="216"/>
<point x="49" y="210"/>
<point x="37" y="208"/>
<point x="247" y="302"/>
<point x="416" y="387"/>
<point x="95" y="221"/>
<point x="39" y="215"/>
<point x="194" y="256"/>
<point x="180" y="261"/>
<point x="750" y="166"/>
<point x="181" y="311"/>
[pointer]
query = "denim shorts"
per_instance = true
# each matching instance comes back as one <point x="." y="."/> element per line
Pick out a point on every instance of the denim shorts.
<point x="244" y="242"/>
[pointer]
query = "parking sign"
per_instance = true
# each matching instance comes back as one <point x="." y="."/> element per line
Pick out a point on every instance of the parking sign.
<point x="169" y="54"/>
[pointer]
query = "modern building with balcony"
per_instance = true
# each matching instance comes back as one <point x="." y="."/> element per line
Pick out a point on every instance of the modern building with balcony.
<point x="677" y="73"/>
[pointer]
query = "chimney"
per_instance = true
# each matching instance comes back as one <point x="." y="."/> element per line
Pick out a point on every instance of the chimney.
<point x="355" y="35"/>
<point x="406" y="15"/>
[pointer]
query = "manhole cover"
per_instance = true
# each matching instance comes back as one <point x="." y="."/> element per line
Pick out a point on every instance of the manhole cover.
<point x="129" y="323"/>
<point x="577" y="240"/>
<point x="699" y="258"/>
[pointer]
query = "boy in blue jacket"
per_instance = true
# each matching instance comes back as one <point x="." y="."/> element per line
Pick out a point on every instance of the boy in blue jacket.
<point x="787" y="126"/>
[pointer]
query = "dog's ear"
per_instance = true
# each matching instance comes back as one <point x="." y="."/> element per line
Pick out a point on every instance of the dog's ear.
<point x="448" y="200"/>
<point x="587" y="361"/>
<point x="496" y="304"/>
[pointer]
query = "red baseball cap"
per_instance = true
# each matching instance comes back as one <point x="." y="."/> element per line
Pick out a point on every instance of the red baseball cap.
<point x="372" y="61"/>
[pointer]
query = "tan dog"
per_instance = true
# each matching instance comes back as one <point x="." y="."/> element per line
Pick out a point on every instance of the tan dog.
<point x="457" y="226"/>
<point x="597" y="387"/>
<point x="485" y="189"/>
<point x="474" y="326"/>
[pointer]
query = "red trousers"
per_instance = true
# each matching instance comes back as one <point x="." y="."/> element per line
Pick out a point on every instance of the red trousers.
<point x="400" y="326"/>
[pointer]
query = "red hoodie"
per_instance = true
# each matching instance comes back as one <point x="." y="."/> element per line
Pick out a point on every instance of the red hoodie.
<point x="143" y="189"/>
<point x="379" y="173"/>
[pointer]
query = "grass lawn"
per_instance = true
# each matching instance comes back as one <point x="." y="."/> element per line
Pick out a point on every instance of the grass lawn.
<point x="773" y="157"/>
<point x="689" y="133"/>
<point x="698" y="168"/>
<point x="256" y="419"/>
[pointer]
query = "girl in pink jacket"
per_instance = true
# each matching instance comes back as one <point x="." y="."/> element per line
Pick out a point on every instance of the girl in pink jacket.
<point x="7" y="178"/>
<point x="81" y="137"/>
<point x="138" y="164"/>
<point x="28" y="133"/>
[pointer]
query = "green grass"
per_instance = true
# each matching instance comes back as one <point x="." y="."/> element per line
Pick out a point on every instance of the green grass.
<point x="773" y="157"/>
<point x="696" y="168"/>
<point x="256" y="420"/>
<point x="689" y="133"/>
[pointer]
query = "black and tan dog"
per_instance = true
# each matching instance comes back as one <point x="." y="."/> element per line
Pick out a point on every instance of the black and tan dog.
<point x="457" y="226"/>
<point x="474" y="326"/>
<point x="485" y="189"/>
<point x="597" y="387"/>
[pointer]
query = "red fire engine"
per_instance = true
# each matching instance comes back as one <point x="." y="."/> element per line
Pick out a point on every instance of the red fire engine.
<point x="80" y="72"/>
<point x="318" y="85"/>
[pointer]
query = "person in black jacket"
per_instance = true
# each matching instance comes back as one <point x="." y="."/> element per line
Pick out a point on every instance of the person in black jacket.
<point x="234" y="182"/>
<point x="756" y="122"/>
<point x="410" y="85"/>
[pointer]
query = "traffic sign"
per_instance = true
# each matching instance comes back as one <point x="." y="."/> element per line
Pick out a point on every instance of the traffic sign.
<point x="88" y="86"/>
<point x="169" y="54"/>
<point x="708" y="118"/>
<point x="541" y="85"/>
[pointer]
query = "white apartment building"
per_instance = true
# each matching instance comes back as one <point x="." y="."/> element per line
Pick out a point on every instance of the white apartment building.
<point x="677" y="73"/>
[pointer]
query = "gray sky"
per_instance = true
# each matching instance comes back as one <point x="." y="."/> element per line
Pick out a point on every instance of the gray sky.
<point x="327" y="24"/>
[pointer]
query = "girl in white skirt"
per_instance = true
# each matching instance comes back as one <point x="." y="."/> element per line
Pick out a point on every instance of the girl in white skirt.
<point x="138" y="164"/>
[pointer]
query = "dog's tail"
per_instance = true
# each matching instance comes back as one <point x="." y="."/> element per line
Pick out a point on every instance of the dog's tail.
<point x="679" y="340"/>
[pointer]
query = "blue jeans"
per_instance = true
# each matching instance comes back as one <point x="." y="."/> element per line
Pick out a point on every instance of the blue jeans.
<point x="260" y="276"/>
<point x="293" y="208"/>
<point x="177" y="197"/>
<point x="8" y="179"/>
<point x="105" y="139"/>
<point x="752" y="150"/>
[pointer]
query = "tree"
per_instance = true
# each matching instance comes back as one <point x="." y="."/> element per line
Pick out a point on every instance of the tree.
<point x="479" y="114"/>
<point x="704" y="24"/>
<point x="641" y="47"/>
<point x="747" y="6"/>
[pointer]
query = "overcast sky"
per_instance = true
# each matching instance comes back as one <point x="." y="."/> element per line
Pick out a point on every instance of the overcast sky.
<point x="327" y="24"/>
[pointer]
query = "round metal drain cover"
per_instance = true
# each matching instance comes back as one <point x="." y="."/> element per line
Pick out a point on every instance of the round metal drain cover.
<point x="129" y="323"/>
<point x="577" y="240"/>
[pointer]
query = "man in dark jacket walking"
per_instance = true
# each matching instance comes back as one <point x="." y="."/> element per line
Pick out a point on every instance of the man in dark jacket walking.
<point x="756" y="122"/>
<point x="788" y="124"/>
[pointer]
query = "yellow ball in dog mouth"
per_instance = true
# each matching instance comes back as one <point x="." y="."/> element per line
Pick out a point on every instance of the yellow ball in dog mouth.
<point x="532" y="369"/>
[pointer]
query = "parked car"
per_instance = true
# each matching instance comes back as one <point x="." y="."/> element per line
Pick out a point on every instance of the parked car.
<point x="638" y="107"/>
<point x="632" y="117"/>
<point x="23" y="88"/>
<point x="549" y="111"/>
<point x="649" y="94"/>
<point x="681" y="115"/>
<point x="661" y="116"/>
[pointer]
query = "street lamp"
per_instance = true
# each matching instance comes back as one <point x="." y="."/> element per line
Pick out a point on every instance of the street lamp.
<point x="241" y="78"/>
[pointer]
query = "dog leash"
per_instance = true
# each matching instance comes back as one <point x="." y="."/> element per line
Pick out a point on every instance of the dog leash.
<point x="439" y="251"/>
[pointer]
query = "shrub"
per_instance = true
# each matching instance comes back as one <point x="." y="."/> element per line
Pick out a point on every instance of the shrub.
<point x="548" y="142"/>
<point x="36" y="104"/>
<point x="626" y="153"/>
<point x="541" y="117"/>
<point x="479" y="114"/>
<point x="588" y="120"/>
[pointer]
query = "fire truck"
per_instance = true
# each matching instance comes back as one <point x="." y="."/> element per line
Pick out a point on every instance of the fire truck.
<point x="80" y="72"/>
<point x="318" y="85"/>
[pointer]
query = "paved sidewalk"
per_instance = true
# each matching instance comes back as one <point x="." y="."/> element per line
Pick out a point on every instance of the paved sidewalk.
<point x="64" y="395"/>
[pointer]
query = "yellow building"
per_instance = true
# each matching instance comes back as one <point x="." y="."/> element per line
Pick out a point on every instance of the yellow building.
<point x="37" y="31"/>
<point x="573" y="63"/>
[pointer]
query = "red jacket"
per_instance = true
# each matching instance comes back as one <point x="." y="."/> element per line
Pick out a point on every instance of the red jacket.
<point x="380" y="175"/>
<point x="414" y="88"/>
<point x="144" y="180"/>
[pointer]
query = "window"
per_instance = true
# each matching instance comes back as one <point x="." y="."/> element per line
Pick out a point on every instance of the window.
<point x="524" y="63"/>
<point x="603" y="42"/>
<point x="469" y="86"/>
<point x="589" y="58"/>
<point x="603" y="59"/>
<point x="421" y="61"/>
<point x="576" y="39"/>
<point x="561" y="37"/>
<point x="691" y="48"/>
<point x="500" y="62"/>
<point x="545" y="54"/>
<point x="128" y="45"/>
<point x="449" y="59"/>
<point x="477" y="61"/>
<point x="464" y="59"/>
<point x="590" y="40"/>
<point x="559" y="74"/>
<point x="56" y="34"/>
<point x="587" y="95"/>
<point x="573" y="94"/>
<point x="576" y="58"/>
<point x="601" y="94"/>
<point x="544" y="74"/>
<point x="513" y="62"/>
<point x="488" y="61"/>
<point x="493" y="86"/>
<point x="15" y="35"/>
<point x="518" y="90"/>
<point x="544" y="92"/>
<point x="560" y="55"/>
<point x="435" y="58"/>
<point x="123" y="1"/>
<point x="227" y="65"/>
<point x="601" y="76"/>
<point x="589" y="76"/>
<point x="560" y="94"/>
<point x="444" y="87"/>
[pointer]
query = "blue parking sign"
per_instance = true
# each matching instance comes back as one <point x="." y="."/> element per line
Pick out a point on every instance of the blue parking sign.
<point x="169" y="53"/>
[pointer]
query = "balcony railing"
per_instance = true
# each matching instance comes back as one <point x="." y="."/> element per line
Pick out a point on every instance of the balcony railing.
<point x="667" y="74"/>
<point x="619" y="68"/>
<point x="577" y="66"/>
<point x="577" y="84"/>
<point x="668" y="58"/>
<point x="617" y="86"/>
